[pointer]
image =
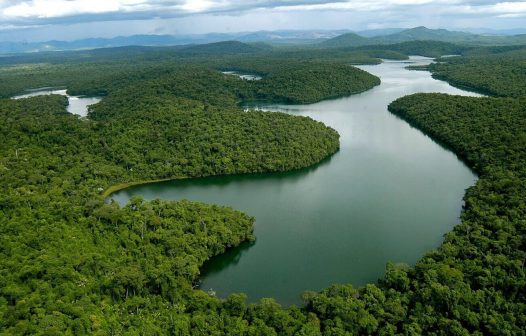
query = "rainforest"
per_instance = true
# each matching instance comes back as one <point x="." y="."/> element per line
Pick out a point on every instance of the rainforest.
<point x="75" y="261"/>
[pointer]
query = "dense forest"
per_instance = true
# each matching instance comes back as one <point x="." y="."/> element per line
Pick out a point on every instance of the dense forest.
<point x="72" y="263"/>
<point x="501" y="72"/>
<point x="474" y="283"/>
<point x="284" y="80"/>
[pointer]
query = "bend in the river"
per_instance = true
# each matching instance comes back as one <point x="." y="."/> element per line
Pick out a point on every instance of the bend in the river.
<point x="76" y="104"/>
<point x="389" y="194"/>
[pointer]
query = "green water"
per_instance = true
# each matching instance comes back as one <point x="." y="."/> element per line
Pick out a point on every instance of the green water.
<point x="389" y="194"/>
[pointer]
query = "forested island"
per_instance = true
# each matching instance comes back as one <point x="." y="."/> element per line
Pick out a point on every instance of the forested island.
<point x="73" y="263"/>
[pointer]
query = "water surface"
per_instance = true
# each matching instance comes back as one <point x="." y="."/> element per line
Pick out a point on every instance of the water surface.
<point x="248" y="77"/>
<point x="76" y="104"/>
<point x="389" y="194"/>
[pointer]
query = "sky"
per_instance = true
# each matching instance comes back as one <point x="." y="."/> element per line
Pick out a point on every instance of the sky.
<point x="42" y="20"/>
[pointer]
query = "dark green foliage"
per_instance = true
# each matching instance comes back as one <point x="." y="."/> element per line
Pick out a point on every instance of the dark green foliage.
<point x="292" y="83"/>
<point x="500" y="73"/>
<point x="422" y="48"/>
<point x="222" y="48"/>
<point x="72" y="264"/>
<point x="192" y="139"/>
<point x="474" y="283"/>
<point x="285" y="80"/>
<point x="476" y="280"/>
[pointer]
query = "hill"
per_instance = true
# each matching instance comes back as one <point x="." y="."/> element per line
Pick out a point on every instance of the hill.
<point x="422" y="34"/>
<point x="346" y="40"/>
<point x="379" y="32"/>
<point x="226" y="47"/>
<point x="274" y="37"/>
<point x="319" y="38"/>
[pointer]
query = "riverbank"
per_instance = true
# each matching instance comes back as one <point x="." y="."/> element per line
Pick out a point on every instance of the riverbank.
<point x="335" y="214"/>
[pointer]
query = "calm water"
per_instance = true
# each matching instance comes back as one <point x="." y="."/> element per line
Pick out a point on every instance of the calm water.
<point x="243" y="76"/>
<point x="389" y="194"/>
<point x="77" y="105"/>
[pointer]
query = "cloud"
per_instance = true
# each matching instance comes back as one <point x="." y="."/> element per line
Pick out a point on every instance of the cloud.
<point x="371" y="5"/>
<point x="175" y="16"/>
<point x="53" y="11"/>
<point x="38" y="12"/>
<point x="54" y="8"/>
<point x="45" y="9"/>
<point x="501" y="8"/>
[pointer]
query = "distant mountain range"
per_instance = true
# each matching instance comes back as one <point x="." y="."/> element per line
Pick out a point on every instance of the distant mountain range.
<point x="423" y="34"/>
<point x="322" y="38"/>
<point x="274" y="37"/>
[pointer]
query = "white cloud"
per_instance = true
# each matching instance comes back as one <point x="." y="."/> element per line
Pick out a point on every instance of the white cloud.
<point x="54" y="8"/>
<point x="500" y="9"/>
<point x="370" y="5"/>
<point x="244" y="15"/>
<point x="42" y="9"/>
<point x="198" y="5"/>
<point x="509" y="7"/>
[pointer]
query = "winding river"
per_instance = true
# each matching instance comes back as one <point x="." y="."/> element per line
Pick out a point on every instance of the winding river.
<point x="76" y="104"/>
<point x="389" y="194"/>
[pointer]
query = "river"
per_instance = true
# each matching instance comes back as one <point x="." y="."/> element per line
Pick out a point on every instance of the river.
<point x="389" y="194"/>
<point x="76" y="104"/>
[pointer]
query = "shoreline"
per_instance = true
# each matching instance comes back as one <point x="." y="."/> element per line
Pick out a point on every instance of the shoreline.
<point x="124" y="185"/>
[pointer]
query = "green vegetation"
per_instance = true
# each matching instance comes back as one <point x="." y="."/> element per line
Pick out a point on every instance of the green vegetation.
<point x="501" y="73"/>
<point x="224" y="48"/>
<point x="285" y="79"/>
<point x="474" y="283"/>
<point x="72" y="264"/>
<point x="292" y="82"/>
<point x="346" y="40"/>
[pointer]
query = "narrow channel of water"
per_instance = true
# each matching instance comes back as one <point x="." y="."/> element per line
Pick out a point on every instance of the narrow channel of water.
<point x="248" y="77"/>
<point x="389" y="194"/>
<point x="76" y="104"/>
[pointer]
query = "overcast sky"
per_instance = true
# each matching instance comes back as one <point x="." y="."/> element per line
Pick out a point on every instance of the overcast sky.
<point x="39" y="20"/>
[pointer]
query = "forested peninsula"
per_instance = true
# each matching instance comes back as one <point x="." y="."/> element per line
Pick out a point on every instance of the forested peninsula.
<point x="71" y="263"/>
<point x="501" y="74"/>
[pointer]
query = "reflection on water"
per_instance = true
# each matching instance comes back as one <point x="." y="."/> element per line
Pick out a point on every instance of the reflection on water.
<point x="389" y="194"/>
<point x="230" y="257"/>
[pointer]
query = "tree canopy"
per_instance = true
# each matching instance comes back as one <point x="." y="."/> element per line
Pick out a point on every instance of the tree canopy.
<point x="73" y="263"/>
